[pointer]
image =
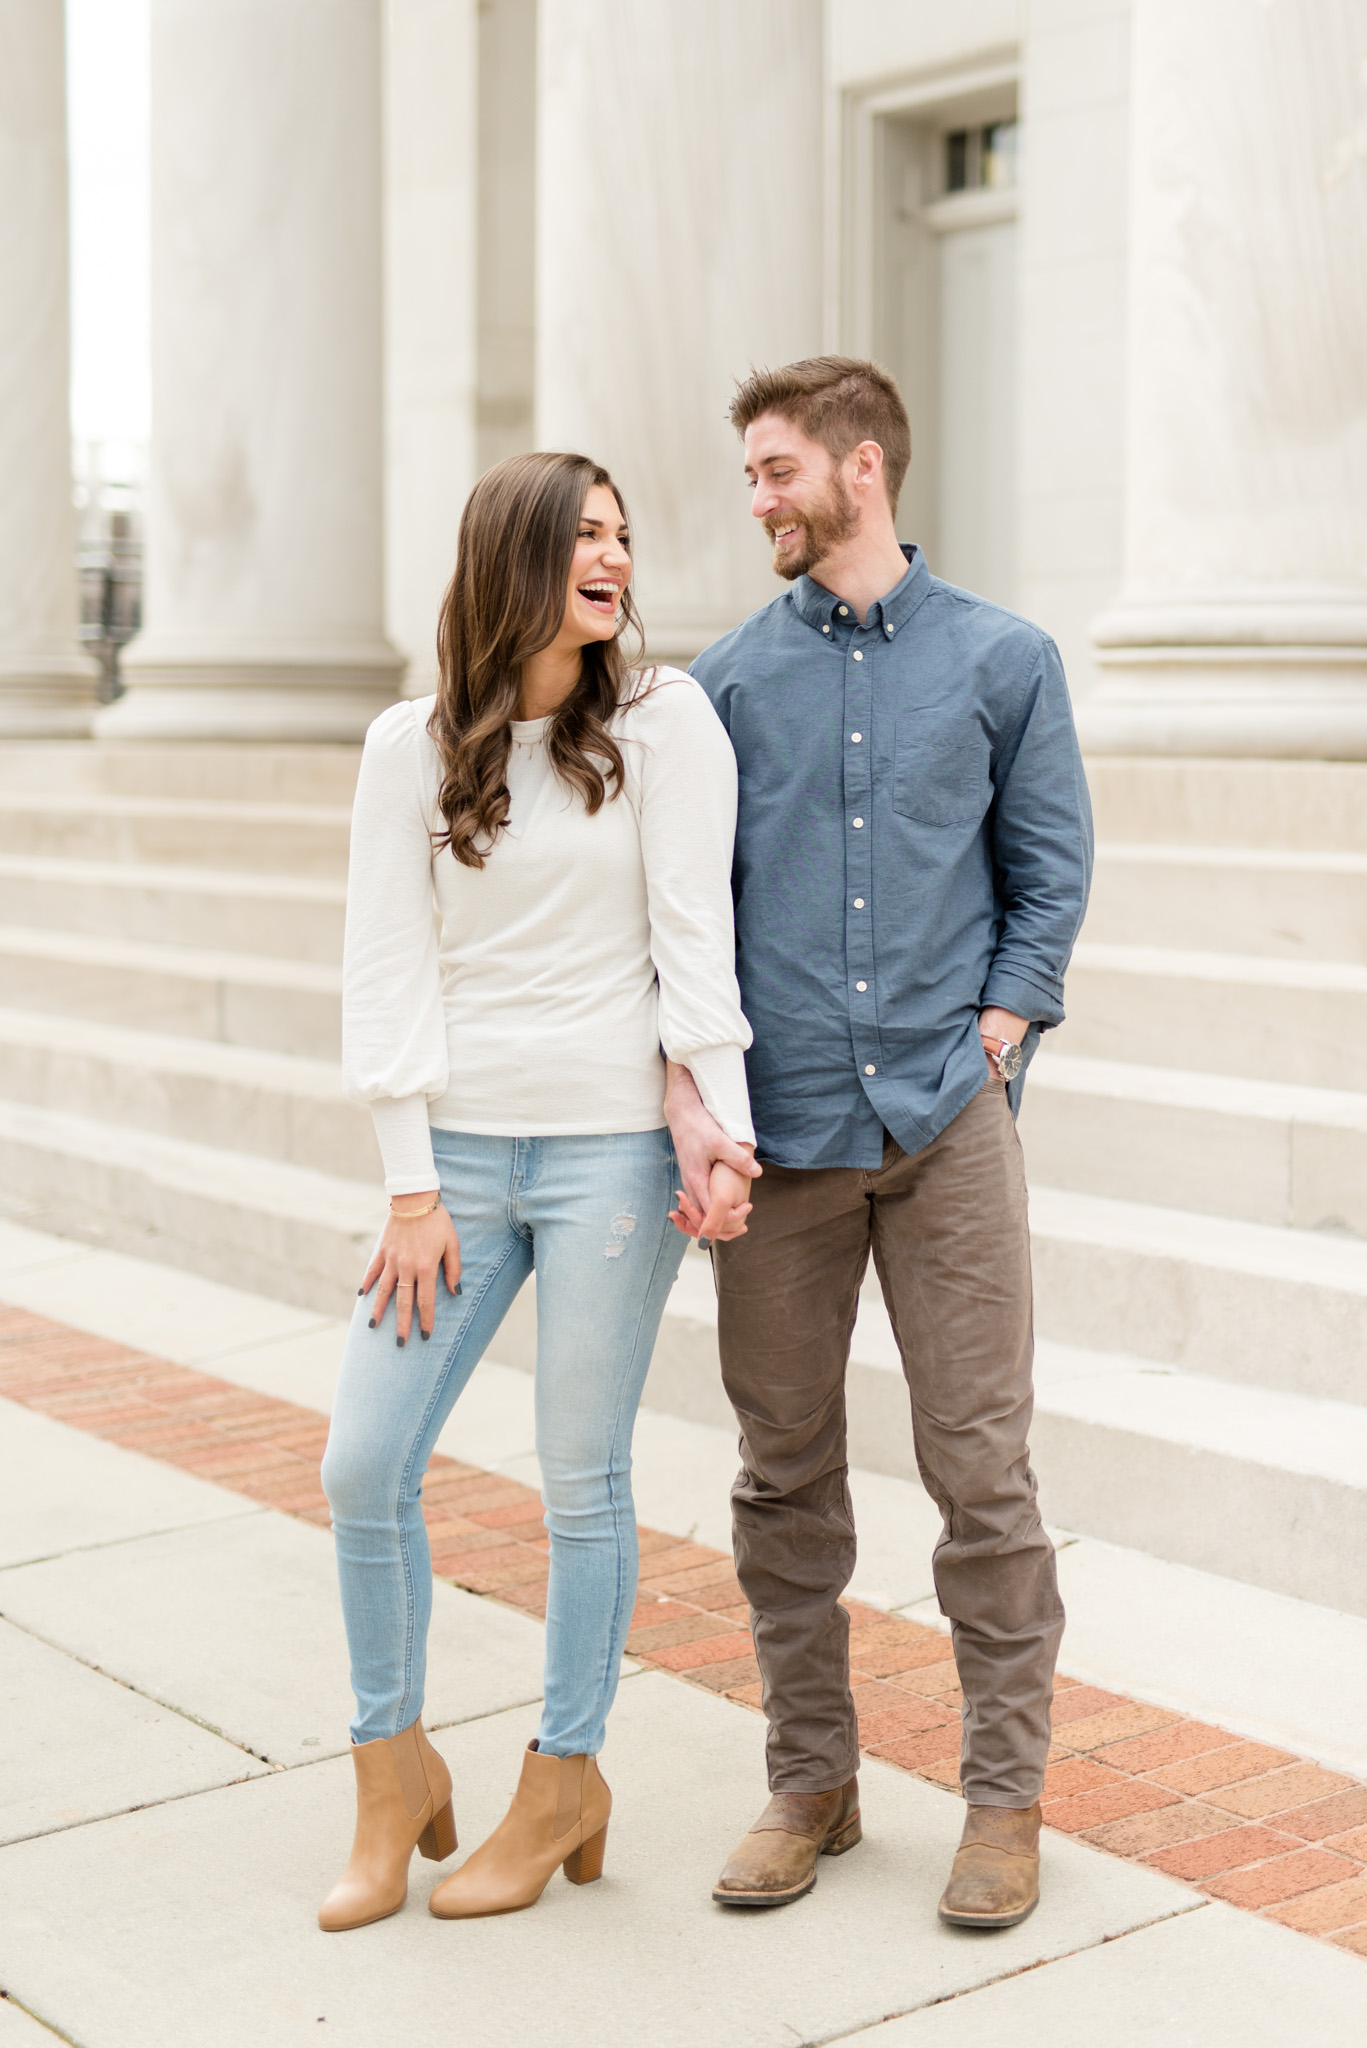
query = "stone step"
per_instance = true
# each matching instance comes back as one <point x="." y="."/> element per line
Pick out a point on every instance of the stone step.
<point x="231" y="771"/>
<point x="282" y="1230"/>
<point x="1261" y="1484"/>
<point x="265" y="838"/>
<point x="271" y="1105"/>
<point x="1317" y="806"/>
<point x="1258" y="1485"/>
<point x="1279" y="1309"/>
<point x="289" y="1006"/>
<point x="1264" y="1487"/>
<point x="1306" y="906"/>
<point x="1298" y="1021"/>
<point x="294" y="917"/>
<point x="1259" y="1151"/>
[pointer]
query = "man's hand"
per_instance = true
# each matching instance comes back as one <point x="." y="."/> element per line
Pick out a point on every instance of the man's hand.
<point x="716" y="1172"/>
<point x="997" y="1028"/>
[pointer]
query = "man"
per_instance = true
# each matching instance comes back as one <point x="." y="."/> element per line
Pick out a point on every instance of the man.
<point x="912" y="863"/>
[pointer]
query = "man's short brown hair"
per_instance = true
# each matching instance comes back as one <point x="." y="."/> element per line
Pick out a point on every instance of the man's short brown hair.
<point x="838" y="401"/>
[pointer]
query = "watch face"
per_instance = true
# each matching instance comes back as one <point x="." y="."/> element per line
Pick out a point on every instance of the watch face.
<point x="1009" y="1064"/>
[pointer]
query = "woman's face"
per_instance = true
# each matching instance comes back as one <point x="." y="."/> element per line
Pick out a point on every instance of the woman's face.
<point x="600" y="570"/>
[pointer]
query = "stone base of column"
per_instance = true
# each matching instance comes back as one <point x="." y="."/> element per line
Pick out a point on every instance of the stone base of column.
<point x="330" y="695"/>
<point x="1289" y="703"/>
<point x="51" y="697"/>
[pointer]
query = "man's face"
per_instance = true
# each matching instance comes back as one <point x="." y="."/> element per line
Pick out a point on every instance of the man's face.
<point x="802" y="498"/>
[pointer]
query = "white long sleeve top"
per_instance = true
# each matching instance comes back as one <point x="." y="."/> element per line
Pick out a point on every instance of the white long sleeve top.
<point x="532" y="997"/>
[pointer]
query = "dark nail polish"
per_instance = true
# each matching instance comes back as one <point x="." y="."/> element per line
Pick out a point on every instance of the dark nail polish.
<point x="458" y="1287"/>
<point x="372" y="1322"/>
<point x="359" y="1292"/>
<point x="704" y="1244"/>
<point x="425" y="1335"/>
<point x="400" y="1342"/>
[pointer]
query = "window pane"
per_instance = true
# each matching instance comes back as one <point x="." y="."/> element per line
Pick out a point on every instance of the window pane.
<point x="999" y="153"/>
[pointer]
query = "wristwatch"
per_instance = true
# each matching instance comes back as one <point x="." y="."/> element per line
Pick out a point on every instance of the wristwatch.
<point x="1007" y="1058"/>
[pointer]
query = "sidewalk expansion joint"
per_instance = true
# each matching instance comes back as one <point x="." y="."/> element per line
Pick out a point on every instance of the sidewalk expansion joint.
<point x="139" y="1692"/>
<point x="1241" y="1821"/>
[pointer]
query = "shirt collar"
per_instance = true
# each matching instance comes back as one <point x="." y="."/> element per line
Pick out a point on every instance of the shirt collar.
<point x="821" y="607"/>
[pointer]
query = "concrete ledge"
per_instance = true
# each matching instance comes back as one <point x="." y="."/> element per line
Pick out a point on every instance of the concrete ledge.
<point x="1258" y="1151"/>
<point x="268" y="837"/>
<point x="293" y="917"/>
<point x="233" y="772"/>
<point x="276" y="1106"/>
<point x="1276" y="1308"/>
<point x="1310" y="804"/>
<point x="287" y="1006"/>
<point x="1165" y="1006"/>
<point x="1253" y="900"/>
<point x="299" y="1236"/>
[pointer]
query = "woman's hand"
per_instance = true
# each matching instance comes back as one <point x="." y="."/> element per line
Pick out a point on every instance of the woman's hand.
<point x="406" y="1262"/>
<point x="728" y="1206"/>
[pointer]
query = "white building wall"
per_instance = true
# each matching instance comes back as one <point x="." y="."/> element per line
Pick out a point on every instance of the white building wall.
<point x="883" y="41"/>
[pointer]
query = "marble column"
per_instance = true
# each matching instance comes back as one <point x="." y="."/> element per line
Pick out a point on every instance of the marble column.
<point x="1241" y="627"/>
<point x="265" y="582"/>
<point x="431" y="78"/>
<point x="680" y="184"/>
<point x="47" y="686"/>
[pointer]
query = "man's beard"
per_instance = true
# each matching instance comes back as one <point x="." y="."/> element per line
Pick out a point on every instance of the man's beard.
<point x="822" y="528"/>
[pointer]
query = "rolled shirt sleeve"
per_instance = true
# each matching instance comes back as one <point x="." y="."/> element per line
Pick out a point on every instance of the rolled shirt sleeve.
<point x="394" y="1051"/>
<point x="1041" y="846"/>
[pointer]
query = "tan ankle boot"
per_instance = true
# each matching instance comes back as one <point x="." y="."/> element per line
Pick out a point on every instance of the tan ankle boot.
<point x="776" y="1862"/>
<point x="995" y="1879"/>
<point x="403" y="1802"/>
<point x="559" y="1815"/>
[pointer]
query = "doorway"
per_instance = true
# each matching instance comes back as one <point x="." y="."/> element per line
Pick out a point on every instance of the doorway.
<point x="944" y="321"/>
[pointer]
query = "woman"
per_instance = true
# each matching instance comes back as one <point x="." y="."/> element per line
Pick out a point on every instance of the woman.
<point x="539" y="900"/>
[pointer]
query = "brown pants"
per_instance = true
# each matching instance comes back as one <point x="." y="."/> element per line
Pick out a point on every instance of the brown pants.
<point x="950" y="1240"/>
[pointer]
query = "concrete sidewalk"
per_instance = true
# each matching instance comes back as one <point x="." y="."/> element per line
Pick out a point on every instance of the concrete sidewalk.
<point x="176" y="1798"/>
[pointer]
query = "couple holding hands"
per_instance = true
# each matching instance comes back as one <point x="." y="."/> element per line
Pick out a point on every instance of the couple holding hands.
<point x="755" y="956"/>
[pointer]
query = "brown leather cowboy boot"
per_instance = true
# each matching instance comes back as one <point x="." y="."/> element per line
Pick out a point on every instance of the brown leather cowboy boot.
<point x="776" y="1862"/>
<point x="995" y="1879"/>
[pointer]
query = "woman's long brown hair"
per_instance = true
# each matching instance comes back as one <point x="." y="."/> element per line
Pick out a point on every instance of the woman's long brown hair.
<point x="505" y="602"/>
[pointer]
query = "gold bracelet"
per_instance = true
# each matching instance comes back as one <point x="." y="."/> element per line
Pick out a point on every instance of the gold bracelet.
<point x="413" y="1215"/>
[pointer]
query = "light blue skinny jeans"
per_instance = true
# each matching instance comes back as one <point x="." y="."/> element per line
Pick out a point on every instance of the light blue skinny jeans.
<point x="591" y="1216"/>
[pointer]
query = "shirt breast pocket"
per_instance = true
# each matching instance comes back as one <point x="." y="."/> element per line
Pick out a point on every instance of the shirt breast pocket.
<point x="942" y="770"/>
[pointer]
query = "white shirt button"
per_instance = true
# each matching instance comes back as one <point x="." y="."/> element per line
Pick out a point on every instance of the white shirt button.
<point x="861" y="986"/>
<point x="859" y="903"/>
<point x="857" y="655"/>
<point x="825" y="629"/>
<point x="888" y="630"/>
<point x="857" y="823"/>
<point x="856" y="737"/>
<point x="870" y="1070"/>
<point x="844" y="611"/>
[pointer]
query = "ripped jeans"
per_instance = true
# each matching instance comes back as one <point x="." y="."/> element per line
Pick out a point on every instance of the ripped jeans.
<point x="590" y="1215"/>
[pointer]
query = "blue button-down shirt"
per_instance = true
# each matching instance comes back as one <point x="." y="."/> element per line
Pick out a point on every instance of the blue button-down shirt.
<point x="914" y="843"/>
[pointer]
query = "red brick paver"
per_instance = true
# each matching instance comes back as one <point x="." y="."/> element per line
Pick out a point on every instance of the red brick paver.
<point x="1249" y="1824"/>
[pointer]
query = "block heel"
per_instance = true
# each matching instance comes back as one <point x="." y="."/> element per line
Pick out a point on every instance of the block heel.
<point x="558" y="1821"/>
<point x="585" y="1863"/>
<point x="438" y="1839"/>
<point x="852" y="1832"/>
